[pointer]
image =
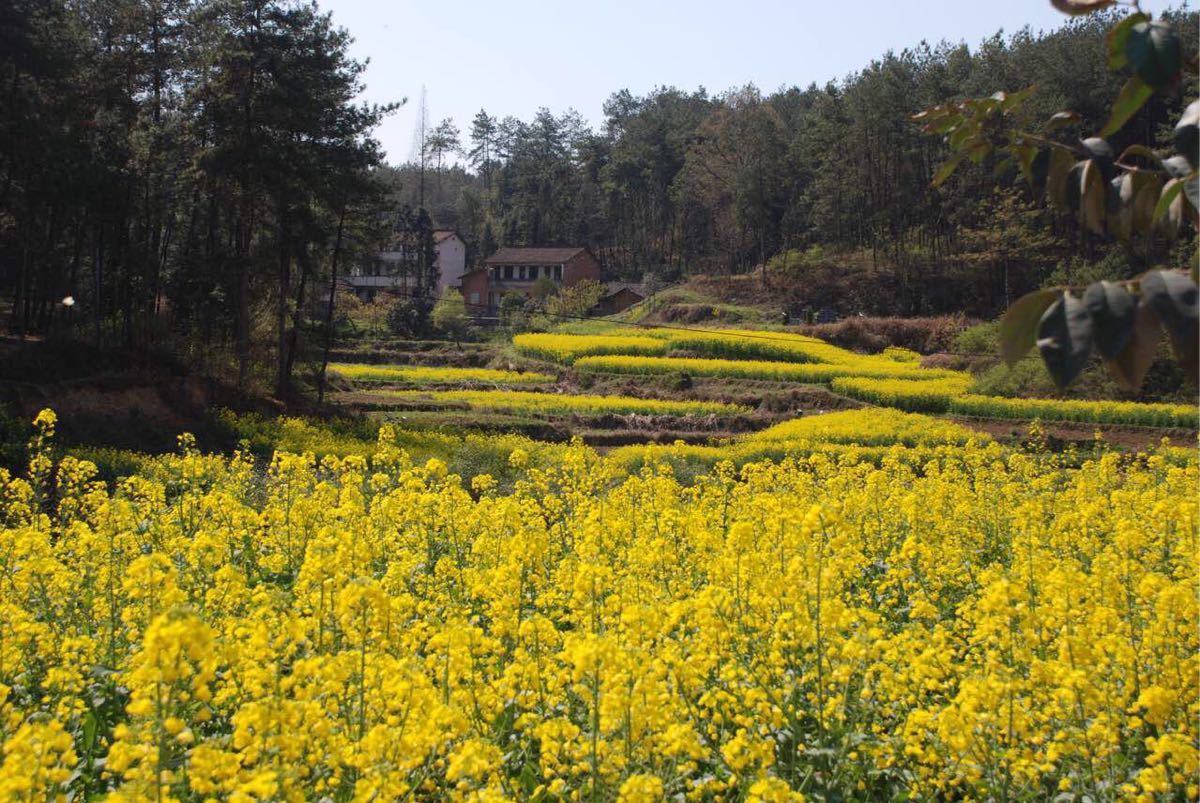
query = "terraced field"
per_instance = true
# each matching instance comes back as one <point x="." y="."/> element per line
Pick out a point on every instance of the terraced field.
<point x="619" y="386"/>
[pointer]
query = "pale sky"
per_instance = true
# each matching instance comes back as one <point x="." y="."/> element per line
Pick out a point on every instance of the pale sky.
<point x="513" y="56"/>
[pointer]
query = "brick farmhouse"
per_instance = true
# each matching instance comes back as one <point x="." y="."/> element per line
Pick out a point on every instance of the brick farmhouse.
<point x="517" y="270"/>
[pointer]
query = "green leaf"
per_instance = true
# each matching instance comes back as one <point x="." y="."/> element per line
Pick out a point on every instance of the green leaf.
<point x="947" y="169"/>
<point x="1130" y="366"/>
<point x="961" y="135"/>
<point x="1075" y="185"/>
<point x="1112" y="308"/>
<point x="942" y="122"/>
<point x="1015" y="99"/>
<point x="1174" y="298"/>
<point x="1061" y="162"/>
<point x="1077" y="7"/>
<point x="1177" y="166"/>
<point x="1024" y="155"/>
<point x="1140" y="150"/>
<point x="1153" y="51"/>
<point x="1147" y="188"/>
<point x="1064" y="337"/>
<point x="1191" y="188"/>
<point x="1062" y="119"/>
<point x="1093" y="192"/>
<point x="1187" y="134"/>
<point x="978" y="149"/>
<point x="1120" y="206"/>
<point x="1117" y="37"/>
<point x="1134" y="94"/>
<point x="1175" y="203"/>
<point x="90" y="726"/>
<point x="1018" y="327"/>
<point x="1102" y="153"/>
<point x="1170" y="192"/>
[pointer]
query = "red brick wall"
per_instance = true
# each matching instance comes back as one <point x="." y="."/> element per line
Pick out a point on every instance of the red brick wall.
<point x="581" y="266"/>
<point x="475" y="282"/>
<point x="619" y="301"/>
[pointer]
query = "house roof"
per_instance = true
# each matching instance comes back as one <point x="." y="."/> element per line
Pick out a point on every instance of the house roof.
<point x="444" y="234"/>
<point x="533" y="256"/>
<point x="612" y="288"/>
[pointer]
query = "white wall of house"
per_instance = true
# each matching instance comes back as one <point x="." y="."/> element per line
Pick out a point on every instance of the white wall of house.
<point x="451" y="262"/>
<point x="387" y="270"/>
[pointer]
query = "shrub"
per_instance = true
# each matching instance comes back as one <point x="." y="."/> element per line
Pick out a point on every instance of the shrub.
<point x="450" y="316"/>
<point x="982" y="338"/>
<point x="409" y="317"/>
<point x="515" y="312"/>
<point x="925" y="335"/>
<point x="577" y="300"/>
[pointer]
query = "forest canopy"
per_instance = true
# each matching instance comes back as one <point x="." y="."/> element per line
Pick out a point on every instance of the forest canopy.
<point x="199" y="168"/>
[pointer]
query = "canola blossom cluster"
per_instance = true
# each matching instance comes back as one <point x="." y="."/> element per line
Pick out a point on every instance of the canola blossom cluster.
<point x="986" y="623"/>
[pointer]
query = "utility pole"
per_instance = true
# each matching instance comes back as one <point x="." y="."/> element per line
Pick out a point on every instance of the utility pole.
<point x="420" y="146"/>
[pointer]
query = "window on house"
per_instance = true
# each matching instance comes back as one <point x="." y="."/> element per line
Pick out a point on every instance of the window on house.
<point x="508" y="271"/>
<point x="558" y="272"/>
<point x="474" y="298"/>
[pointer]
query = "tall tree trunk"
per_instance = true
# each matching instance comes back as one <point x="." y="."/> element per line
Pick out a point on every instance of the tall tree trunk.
<point x="337" y="251"/>
<point x="297" y="315"/>
<point x="282" y="382"/>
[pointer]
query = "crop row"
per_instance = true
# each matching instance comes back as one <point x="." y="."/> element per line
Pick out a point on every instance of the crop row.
<point x="870" y="426"/>
<point x="1093" y="412"/>
<point x="720" y="343"/>
<point x="820" y="373"/>
<point x="568" y="348"/>
<point x="566" y="404"/>
<point x="435" y="375"/>
<point x="917" y="395"/>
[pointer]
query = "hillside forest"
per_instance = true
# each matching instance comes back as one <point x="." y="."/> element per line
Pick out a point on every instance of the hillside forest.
<point x="195" y="172"/>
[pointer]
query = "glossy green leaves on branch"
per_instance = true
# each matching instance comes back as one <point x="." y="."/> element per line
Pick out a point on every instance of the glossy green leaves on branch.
<point x="1018" y="327"/>
<point x="1064" y="337"/>
<point x="1123" y="328"/>
<point x="1173" y="298"/>
<point x="1112" y="308"/>
<point x="1153" y="51"/>
<point x="1142" y="193"/>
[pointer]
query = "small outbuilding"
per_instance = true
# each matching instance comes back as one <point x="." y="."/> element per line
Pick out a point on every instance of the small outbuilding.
<point x="620" y="297"/>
